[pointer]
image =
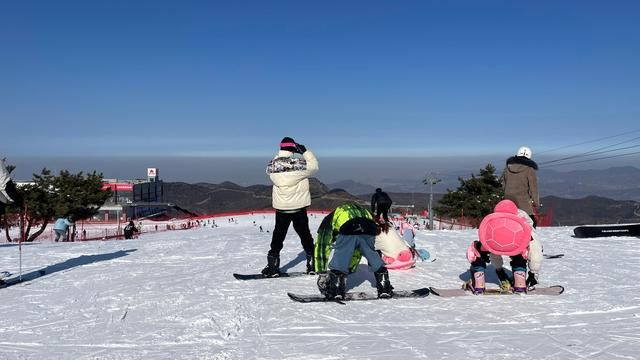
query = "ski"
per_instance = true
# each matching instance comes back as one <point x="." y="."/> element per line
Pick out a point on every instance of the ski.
<point x="359" y="296"/>
<point x="551" y="290"/>
<point x="260" y="276"/>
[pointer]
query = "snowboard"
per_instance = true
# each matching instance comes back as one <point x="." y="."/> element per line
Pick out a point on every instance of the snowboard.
<point x="555" y="256"/>
<point x="551" y="290"/>
<point x="260" y="276"/>
<point x="358" y="296"/>
<point x="590" y="231"/>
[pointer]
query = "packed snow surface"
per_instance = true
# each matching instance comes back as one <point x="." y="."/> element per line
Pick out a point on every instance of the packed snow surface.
<point x="172" y="295"/>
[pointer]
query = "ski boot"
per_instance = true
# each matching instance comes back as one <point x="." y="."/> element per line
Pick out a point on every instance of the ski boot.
<point x="311" y="269"/>
<point x="273" y="266"/>
<point x="383" y="285"/>
<point x="323" y="285"/>
<point x="532" y="281"/>
<point x="477" y="284"/>
<point x="519" y="280"/>
<point x="505" y="281"/>
<point x="337" y="285"/>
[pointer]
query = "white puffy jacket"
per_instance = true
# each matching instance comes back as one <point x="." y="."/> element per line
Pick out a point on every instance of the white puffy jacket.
<point x="4" y="179"/>
<point x="390" y="244"/>
<point x="291" y="188"/>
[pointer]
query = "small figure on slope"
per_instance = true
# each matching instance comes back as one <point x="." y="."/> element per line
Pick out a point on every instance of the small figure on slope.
<point x="380" y="204"/>
<point x="60" y="227"/>
<point x="350" y="231"/>
<point x="129" y="230"/>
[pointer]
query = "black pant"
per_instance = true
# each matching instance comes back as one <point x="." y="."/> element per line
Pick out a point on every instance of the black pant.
<point x="384" y="210"/>
<point x="300" y="225"/>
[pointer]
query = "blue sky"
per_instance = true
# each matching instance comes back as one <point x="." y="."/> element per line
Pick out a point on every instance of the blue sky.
<point x="346" y="78"/>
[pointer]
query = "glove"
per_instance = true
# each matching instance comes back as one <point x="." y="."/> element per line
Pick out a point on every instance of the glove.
<point x="301" y="148"/>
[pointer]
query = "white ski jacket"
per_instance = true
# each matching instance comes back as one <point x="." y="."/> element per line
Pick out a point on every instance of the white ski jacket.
<point x="291" y="186"/>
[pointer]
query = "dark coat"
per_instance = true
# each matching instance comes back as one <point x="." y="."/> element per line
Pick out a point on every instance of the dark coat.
<point x="380" y="199"/>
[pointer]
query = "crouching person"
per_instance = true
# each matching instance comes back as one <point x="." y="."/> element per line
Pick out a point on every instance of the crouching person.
<point x="350" y="231"/>
<point x="501" y="233"/>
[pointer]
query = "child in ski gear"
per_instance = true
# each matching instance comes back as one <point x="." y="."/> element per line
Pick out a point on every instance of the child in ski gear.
<point x="534" y="258"/>
<point x="380" y="204"/>
<point x="500" y="233"/>
<point x="60" y="228"/>
<point x="129" y="230"/>
<point x="520" y="182"/>
<point x="396" y="254"/>
<point x="290" y="199"/>
<point x="350" y="231"/>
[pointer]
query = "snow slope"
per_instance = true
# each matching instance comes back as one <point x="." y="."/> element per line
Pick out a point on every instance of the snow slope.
<point x="172" y="296"/>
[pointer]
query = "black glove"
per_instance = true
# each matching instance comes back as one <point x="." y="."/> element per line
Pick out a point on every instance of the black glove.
<point x="301" y="148"/>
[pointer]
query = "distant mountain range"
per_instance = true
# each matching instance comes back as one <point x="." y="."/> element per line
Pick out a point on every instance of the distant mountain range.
<point x="204" y="198"/>
<point x="620" y="183"/>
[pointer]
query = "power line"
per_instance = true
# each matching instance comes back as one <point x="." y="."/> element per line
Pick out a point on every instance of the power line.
<point x="590" y="153"/>
<point x="589" y="141"/>
<point x="596" y="159"/>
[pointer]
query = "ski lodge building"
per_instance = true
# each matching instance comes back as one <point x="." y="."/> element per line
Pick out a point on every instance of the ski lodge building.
<point x="133" y="199"/>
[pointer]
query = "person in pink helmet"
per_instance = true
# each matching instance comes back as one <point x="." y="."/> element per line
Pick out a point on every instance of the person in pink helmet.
<point x="501" y="233"/>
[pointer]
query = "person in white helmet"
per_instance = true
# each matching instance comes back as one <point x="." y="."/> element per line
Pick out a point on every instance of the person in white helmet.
<point x="520" y="182"/>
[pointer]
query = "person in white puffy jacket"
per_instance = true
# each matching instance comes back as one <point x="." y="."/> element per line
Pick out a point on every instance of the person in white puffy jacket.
<point x="396" y="254"/>
<point x="290" y="198"/>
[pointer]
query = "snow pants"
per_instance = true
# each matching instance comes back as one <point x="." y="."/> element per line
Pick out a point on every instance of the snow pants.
<point x="534" y="259"/>
<point x="344" y="247"/>
<point x="300" y="222"/>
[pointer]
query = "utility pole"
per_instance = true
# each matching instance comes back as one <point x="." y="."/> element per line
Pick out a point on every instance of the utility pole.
<point x="431" y="180"/>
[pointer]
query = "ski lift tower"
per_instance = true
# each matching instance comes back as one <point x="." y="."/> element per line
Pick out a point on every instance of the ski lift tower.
<point x="431" y="180"/>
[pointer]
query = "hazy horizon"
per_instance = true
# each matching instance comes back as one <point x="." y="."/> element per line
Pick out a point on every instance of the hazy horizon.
<point x="245" y="171"/>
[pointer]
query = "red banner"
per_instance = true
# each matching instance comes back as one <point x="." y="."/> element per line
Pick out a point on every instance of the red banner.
<point x="117" y="187"/>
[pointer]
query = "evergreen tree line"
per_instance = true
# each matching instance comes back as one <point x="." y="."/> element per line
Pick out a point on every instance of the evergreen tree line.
<point x="76" y="196"/>
<point x="474" y="198"/>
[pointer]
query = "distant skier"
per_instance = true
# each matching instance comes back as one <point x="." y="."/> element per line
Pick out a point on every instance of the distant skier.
<point x="520" y="182"/>
<point x="129" y="230"/>
<point x="60" y="228"/>
<point x="504" y="232"/>
<point x="290" y="198"/>
<point x="350" y="232"/>
<point x="380" y="204"/>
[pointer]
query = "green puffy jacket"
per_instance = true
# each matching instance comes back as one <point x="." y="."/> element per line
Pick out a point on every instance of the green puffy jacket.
<point x="330" y="228"/>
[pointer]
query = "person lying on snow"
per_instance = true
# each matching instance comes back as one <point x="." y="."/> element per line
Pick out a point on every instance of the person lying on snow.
<point x="396" y="254"/>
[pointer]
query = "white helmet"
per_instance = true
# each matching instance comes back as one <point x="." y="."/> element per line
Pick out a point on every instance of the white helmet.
<point x="524" y="151"/>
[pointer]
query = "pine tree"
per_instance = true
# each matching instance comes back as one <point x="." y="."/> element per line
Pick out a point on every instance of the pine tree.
<point x="475" y="197"/>
<point x="49" y="197"/>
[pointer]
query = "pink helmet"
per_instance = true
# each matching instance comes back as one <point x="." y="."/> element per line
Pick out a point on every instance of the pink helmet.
<point x="503" y="232"/>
